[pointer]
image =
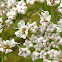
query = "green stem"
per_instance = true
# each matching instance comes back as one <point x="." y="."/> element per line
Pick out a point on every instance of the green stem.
<point x="8" y="58"/>
<point x="45" y="6"/>
<point x="2" y="57"/>
<point x="52" y="12"/>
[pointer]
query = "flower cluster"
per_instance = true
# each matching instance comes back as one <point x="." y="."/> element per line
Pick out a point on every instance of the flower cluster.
<point x="24" y="52"/>
<point x="11" y="8"/>
<point x="5" y="46"/>
<point x="46" y="39"/>
<point x="42" y="36"/>
<point x="53" y="2"/>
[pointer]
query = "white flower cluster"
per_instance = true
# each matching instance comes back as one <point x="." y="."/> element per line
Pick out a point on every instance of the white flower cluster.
<point x="31" y="2"/>
<point x="52" y="2"/>
<point x="41" y="1"/>
<point x="49" y="2"/>
<point x="24" y="52"/>
<point x="45" y="17"/>
<point x="11" y="15"/>
<point x="11" y="3"/>
<point x="54" y="53"/>
<point x="2" y="3"/>
<point x="33" y="27"/>
<point x="11" y="8"/>
<point x="5" y="46"/>
<point x="21" y="6"/>
<point x="46" y="39"/>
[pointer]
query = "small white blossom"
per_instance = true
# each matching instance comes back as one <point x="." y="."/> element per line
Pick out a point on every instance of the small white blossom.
<point x="35" y="55"/>
<point x="9" y="21"/>
<point x="31" y="2"/>
<point x="52" y="2"/>
<point x="5" y="46"/>
<point x="45" y="17"/>
<point x="12" y="13"/>
<point x="23" y="30"/>
<point x="33" y="27"/>
<point x="60" y="42"/>
<point x="53" y="53"/>
<point x="2" y="4"/>
<point x="21" y="6"/>
<point x="59" y="26"/>
<point x="11" y="3"/>
<point x="43" y="54"/>
<point x="41" y="1"/>
<point x="28" y="43"/>
<point x="24" y="52"/>
<point x="46" y="60"/>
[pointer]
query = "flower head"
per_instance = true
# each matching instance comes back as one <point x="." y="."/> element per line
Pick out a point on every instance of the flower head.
<point x="5" y="46"/>
<point x="23" y="30"/>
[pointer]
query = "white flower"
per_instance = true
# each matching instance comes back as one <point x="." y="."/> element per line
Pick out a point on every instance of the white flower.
<point x="56" y="56"/>
<point x="21" y="6"/>
<point x="60" y="42"/>
<point x="54" y="44"/>
<point x="43" y="54"/>
<point x="31" y="2"/>
<point x="47" y="46"/>
<point x="33" y="38"/>
<point x="41" y="1"/>
<point x="46" y="60"/>
<point x="51" y="53"/>
<point x="11" y="3"/>
<point x="60" y="8"/>
<point x="59" y="26"/>
<point x="28" y="43"/>
<point x="33" y="27"/>
<point x="2" y="4"/>
<point x="45" y="17"/>
<point x="5" y="46"/>
<point x="53" y="2"/>
<point x="56" y="60"/>
<point x="9" y="21"/>
<point x="12" y="13"/>
<point x="54" y="53"/>
<point x="23" y="30"/>
<point x="61" y="0"/>
<point x="35" y="55"/>
<point x="24" y="52"/>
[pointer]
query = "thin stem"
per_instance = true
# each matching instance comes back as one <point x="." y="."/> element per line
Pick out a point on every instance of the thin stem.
<point x="2" y="57"/>
<point x="52" y="12"/>
<point x="8" y="58"/>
